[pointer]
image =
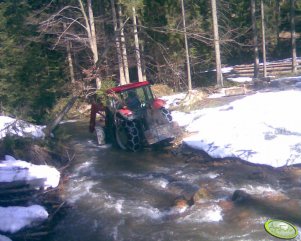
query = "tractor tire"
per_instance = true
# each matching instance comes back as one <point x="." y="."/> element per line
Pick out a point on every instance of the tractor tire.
<point x="128" y="136"/>
<point x="166" y="114"/>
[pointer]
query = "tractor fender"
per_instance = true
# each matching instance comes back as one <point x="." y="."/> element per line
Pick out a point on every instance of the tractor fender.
<point x="158" y="104"/>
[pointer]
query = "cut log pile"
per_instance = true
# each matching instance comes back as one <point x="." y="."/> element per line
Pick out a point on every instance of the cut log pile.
<point x="273" y="68"/>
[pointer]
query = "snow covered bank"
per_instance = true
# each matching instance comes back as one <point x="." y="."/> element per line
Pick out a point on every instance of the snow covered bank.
<point x="11" y="126"/>
<point x="36" y="175"/>
<point x="15" y="218"/>
<point x="263" y="128"/>
<point x="4" y="238"/>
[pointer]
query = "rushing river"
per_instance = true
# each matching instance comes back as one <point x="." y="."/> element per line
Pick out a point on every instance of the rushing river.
<point x="118" y="195"/>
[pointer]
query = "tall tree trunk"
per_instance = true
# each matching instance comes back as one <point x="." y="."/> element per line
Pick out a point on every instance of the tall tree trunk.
<point x="117" y="41"/>
<point x="263" y="39"/>
<point x="186" y="47"/>
<point x="143" y="63"/>
<point x="123" y="46"/>
<point x="277" y="18"/>
<point x="93" y="33"/>
<point x="293" y="36"/>
<point x="94" y="40"/>
<point x="71" y="67"/>
<point x="219" y="75"/>
<point x="90" y="28"/>
<point x="137" y="48"/>
<point x="69" y="57"/>
<point x="255" y="38"/>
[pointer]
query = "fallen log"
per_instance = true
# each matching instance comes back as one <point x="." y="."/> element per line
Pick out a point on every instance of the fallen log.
<point x="51" y="126"/>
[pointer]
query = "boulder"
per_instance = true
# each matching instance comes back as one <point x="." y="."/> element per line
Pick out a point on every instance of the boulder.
<point x="181" y="203"/>
<point x="203" y="194"/>
<point x="241" y="196"/>
<point x="226" y="205"/>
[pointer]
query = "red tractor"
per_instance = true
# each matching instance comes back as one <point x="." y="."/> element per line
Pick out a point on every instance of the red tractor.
<point x="135" y="118"/>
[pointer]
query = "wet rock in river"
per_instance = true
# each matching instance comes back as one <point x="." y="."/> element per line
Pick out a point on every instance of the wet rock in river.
<point x="257" y="175"/>
<point x="268" y="203"/>
<point x="274" y="197"/>
<point x="241" y="196"/>
<point x="203" y="194"/>
<point x="183" y="189"/>
<point x="226" y="205"/>
<point x="181" y="204"/>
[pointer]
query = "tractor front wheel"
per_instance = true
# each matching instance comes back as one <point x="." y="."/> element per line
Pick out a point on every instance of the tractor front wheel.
<point x="166" y="114"/>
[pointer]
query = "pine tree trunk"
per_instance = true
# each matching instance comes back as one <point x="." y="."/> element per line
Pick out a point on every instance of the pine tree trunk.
<point x="186" y="47"/>
<point x="123" y="47"/>
<point x="143" y="63"/>
<point x="93" y="33"/>
<point x="71" y="68"/>
<point x="93" y="40"/>
<point x="255" y="39"/>
<point x="219" y="75"/>
<point x="90" y="28"/>
<point x="69" y="57"/>
<point x="263" y="39"/>
<point x="117" y="40"/>
<point x="137" y="48"/>
<point x="293" y="36"/>
<point x="277" y="18"/>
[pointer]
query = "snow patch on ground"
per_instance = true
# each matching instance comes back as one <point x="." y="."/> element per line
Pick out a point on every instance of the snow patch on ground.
<point x="11" y="126"/>
<point x="241" y="79"/>
<point x="15" y="218"/>
<point x="173" y="100"/>
<point x="4" y="238"/>
<point x="36" y="175"/>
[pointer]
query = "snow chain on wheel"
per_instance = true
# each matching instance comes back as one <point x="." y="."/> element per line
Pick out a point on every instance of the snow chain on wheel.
<point x="167" y="115"/>
<point x="132" y="141"/>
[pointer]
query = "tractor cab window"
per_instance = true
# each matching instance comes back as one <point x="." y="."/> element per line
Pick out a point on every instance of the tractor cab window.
<point x="148" y="94"/>
<point x="132" y="99"/>
<point x="137" y="97"/>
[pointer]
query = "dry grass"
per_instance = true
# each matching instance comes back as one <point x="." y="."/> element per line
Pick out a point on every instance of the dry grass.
<point x="161" y="90"/>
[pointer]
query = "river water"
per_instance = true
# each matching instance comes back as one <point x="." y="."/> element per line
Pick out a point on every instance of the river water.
<point x="118" y="195"/>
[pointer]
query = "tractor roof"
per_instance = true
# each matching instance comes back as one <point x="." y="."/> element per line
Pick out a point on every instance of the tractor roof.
<point x="121" y="88"/>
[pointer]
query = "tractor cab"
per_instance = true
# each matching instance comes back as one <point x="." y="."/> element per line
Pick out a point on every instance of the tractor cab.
<point x="130" y="99"/>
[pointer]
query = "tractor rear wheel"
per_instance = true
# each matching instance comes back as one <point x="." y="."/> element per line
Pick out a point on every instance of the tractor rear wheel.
<point x="128" y="136"/>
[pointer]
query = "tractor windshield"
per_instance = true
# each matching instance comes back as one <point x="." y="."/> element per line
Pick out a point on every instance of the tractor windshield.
<point x="137" y="97"/>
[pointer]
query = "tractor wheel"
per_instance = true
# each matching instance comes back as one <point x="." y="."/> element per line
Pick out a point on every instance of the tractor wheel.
<point x="166" y="114"/>
<point x="127" y="136"/>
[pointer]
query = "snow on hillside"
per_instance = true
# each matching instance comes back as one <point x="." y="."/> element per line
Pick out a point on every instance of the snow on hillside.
<point x="263" y="128"/>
